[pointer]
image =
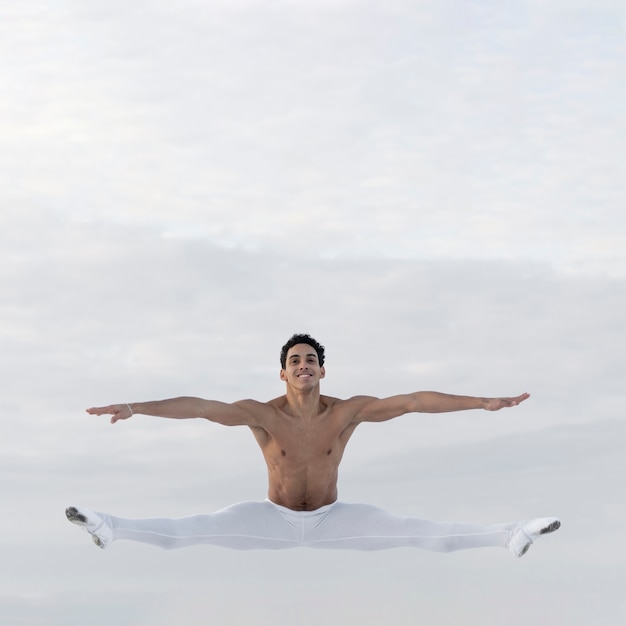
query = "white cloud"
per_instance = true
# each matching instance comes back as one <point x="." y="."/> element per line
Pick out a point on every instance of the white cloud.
<point x="418" y="138"/>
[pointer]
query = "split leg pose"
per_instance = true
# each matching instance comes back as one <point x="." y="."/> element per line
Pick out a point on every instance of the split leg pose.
<point x="302" y="435"/>
<point x="268" y="526"/>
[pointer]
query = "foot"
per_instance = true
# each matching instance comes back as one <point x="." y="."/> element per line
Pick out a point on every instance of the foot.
<point x="92" y="523"/>
<point x="524" y="534"/>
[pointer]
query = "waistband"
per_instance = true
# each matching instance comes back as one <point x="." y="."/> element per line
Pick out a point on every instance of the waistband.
<point x="286" y="511"/>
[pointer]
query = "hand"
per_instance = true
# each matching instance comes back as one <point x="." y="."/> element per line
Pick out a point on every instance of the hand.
<point x="118" y="411"/>
<point x="495" y="404"/>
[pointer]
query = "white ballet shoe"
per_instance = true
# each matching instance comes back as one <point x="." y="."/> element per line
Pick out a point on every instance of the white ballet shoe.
<point x="99" y="530"/>
<point x="524" y="534"/>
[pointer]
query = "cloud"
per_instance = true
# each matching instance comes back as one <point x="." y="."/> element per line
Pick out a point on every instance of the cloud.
<point x="121" y="314"/>
<point x="118" y="301"/>
<point x="397" y="133"/>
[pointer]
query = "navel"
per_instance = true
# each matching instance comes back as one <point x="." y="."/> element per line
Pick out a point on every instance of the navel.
<point x="283" y="453"/>
<point x="329" y="452"/>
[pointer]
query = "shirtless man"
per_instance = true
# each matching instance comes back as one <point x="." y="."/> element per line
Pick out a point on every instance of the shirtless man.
<point x="302" y="436"/>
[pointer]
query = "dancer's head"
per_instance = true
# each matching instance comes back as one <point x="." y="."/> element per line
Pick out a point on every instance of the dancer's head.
<point x="298" y="339"/>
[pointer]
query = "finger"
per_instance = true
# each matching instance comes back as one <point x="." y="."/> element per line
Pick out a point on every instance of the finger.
<point x="117" y="415"/>
<point x="521" y="398"/>
<point x="102" y="410"/>
<point x="99" y="410"/>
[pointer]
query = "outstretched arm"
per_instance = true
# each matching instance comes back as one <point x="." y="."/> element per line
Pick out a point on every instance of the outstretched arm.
<point x="243" y="413"/>
<point x="380" y="410"/>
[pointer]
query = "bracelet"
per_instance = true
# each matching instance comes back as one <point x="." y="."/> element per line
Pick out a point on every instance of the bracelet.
<point x="129" y="408"/>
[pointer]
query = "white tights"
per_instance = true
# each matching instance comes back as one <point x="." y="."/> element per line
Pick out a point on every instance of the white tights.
<point x="265" y="525"/>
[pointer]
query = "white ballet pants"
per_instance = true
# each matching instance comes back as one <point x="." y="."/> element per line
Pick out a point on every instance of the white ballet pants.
<point x="268" y="526"/>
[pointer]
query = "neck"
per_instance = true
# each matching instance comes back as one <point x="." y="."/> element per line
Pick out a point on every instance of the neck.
<point x="303" y="403"/>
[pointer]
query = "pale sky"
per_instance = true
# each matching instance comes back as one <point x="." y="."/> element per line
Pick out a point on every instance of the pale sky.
<point x="434" y="190"/>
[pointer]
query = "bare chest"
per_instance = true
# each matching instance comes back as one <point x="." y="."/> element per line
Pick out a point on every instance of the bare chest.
<point x="294" y="438"/>
<point x="320" y="438"/>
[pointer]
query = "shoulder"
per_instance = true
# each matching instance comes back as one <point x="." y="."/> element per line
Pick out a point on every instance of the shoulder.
<point x="257" y="412"/>
<point x="257" y="407"/>
<point x="349" y="407"/>
<point x="276" y="403"/>
<point x="359" y="400"/>
<point x="329" y="401"/>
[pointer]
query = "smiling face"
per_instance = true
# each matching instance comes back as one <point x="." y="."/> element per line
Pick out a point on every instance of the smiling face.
<point x="302" y="369"/>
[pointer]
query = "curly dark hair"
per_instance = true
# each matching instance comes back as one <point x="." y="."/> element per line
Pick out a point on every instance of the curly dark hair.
<point x="300" y="338"/>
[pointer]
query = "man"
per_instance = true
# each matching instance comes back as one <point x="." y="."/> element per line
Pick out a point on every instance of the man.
<point x="302" y="436"/>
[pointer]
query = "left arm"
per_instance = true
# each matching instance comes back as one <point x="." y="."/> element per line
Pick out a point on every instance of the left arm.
<point x="383" y="409"/>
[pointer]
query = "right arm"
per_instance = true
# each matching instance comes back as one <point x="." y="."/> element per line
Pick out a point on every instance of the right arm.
<point x="242" y="413"/>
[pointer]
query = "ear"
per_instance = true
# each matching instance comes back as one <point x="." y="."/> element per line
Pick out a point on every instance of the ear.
<point x="283" y="375"/>
<point x="322" y="372"/>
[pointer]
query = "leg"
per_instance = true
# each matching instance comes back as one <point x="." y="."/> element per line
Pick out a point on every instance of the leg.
<point x="264" y="525"/>
<point x="364" y="527"/>
<point x="244" y="526"/>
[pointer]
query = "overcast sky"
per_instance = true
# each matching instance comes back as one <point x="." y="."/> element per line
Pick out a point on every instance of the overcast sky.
<point x="434" y="190"/>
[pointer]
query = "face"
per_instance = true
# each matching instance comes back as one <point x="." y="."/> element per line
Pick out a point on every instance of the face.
<point x="302" y="368"/>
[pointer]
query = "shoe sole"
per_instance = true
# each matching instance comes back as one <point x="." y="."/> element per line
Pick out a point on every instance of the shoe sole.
<point x="75" y="516"/>
<point x="550" y="528"/>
